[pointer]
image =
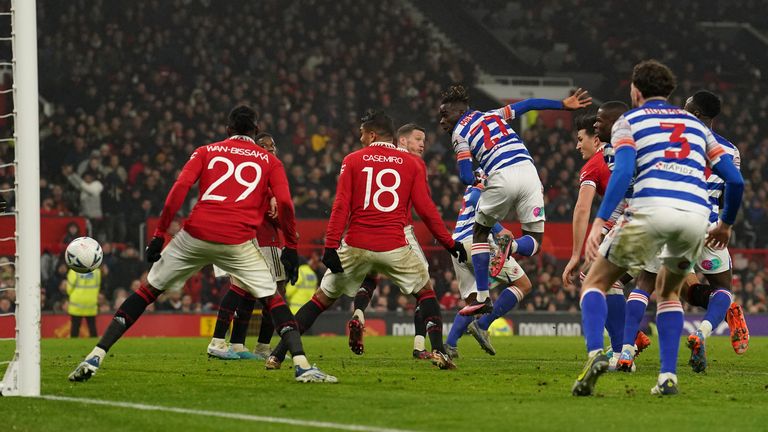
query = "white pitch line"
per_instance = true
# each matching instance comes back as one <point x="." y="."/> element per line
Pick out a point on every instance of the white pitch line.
<point x="234" y="416"/>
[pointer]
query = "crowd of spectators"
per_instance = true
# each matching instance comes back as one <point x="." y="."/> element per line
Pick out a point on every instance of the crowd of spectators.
<point x="135" y="89"/>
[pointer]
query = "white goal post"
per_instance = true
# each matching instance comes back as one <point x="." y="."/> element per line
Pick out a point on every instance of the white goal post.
<point x="22" y="377"/>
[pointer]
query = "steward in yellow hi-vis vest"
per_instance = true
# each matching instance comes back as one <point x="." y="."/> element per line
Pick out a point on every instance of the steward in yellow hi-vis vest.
<point x="83" y="290"/>
<point x="298" y="295"/>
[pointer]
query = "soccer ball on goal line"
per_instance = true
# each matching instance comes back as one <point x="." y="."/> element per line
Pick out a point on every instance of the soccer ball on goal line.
<point x="84" y="255"/>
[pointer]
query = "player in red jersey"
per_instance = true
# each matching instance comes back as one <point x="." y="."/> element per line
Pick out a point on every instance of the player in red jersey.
<point x="234" y="176"/>
<point x="410" y="138"/>
<point x="237" y="305"/>
<point x="376" y="189"/>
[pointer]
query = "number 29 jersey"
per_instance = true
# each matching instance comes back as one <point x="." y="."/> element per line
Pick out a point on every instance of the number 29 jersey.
<point x="377" y="187"/>
<point x="234" y="177"/>
<point x="673" y="148"/>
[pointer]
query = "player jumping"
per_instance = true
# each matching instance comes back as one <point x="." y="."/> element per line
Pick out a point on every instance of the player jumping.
<point x="234" y="177"/>
<point x="513" y="183"/>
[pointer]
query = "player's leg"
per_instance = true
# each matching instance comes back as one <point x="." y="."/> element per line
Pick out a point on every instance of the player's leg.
<point x="717" y="298"/>
<point x="468" y="290"/>
<point x="288" y="329"/>
<point x="433" y="321"/>
<point x="683" y="233"/>
<point x="637" y="303"/>
<point x="266" y="328"/>
<point x="356" y="324"/>
<point x="183" y="257"/>
<point x="242" y="319"/>
<point x="91" y="321"/>
<point x="218" y="347"/>
<point x="420" y="327"/>
<point x="515" y="285"/>
<point x="481" y="256"/>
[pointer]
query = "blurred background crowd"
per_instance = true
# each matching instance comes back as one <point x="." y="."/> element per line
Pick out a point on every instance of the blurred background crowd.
<point x="131" y="91"/>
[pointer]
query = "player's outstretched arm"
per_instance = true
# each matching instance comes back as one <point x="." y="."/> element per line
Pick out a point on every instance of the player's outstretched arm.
<point x="579" y="99"/>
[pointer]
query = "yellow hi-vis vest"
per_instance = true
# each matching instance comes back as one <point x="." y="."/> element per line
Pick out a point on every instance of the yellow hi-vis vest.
<point x="301" y="293"/>
<point x="83" y="290"/>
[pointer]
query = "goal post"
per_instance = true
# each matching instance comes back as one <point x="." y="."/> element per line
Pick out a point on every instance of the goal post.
<point x="22" y="377"/>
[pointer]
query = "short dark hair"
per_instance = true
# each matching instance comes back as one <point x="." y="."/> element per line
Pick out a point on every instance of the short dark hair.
<point x="618" y="107"/>
<point x="263" y="135"/>
<point x="378" y="122"/>
<point x="408" y="128"/>
<point x="242" y="120"/>
<point x="455" y="93"/>
<point x="586" y="121"/>
<point x="653" y="79"/>
<point x="707" y="103"/>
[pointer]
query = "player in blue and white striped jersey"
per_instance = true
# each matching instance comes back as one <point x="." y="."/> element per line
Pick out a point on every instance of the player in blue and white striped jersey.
<point x="511" y="277"/>
<point x="666" y="150"/>
<point x="513" y="183"/>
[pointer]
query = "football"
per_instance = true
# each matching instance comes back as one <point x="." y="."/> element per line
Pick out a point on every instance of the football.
<point x="84" y="255"/>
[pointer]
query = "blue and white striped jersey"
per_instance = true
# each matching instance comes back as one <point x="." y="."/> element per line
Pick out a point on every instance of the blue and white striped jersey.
<point x="466" y="219"/>
<point x="673" y="148"/>
<point x="488" y="139"/>
<point x="716" y="185"/>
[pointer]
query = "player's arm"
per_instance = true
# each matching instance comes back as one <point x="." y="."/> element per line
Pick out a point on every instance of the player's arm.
<point x="724" y="167"/>
<point x="188" y="177"/>
<point x="578" y="99"/>
<point x="581" y="213"/>
<point x="463" y="159"/>
<point x="340" y="212"/>
<point x="623" y="171"/>
<point x="278" y="184"/>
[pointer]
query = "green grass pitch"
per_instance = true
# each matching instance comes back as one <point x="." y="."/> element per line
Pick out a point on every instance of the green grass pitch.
<point x="525" y="387"/>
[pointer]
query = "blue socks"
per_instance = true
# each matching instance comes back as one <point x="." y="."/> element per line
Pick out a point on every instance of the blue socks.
<point x="719" y="302"/>
<point x="669" y="320"/>
<point x="507" y="300"/>
<point x="525" y="246"/>
<point x="459" y="327"/>
<point x="615" y="320"/>
<point x="593" y="314"/>
<point x="636" y="305"/>
<point x="481" y="257"/>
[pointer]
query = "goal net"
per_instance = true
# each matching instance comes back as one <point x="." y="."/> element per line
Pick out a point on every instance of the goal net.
<point x="20" y="326"/>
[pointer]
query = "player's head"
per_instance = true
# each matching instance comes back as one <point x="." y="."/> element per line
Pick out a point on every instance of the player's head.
<point x="411" y="137"/>
<point x="376" y="126"/>
<point x="454" y="102"/>
<point x="704" y="105"/>
<point x="606" y="116"/>
<point x="265" y="141"/>
<point x="242" y="121"/>
<point x="587" y="141"/>
<point x="651" y="79"/>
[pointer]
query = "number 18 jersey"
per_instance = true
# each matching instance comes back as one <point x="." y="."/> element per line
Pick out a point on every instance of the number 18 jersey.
<point x="377" y="187"/>
<point x="673" y="148"/>
<point x="235" y="176"/>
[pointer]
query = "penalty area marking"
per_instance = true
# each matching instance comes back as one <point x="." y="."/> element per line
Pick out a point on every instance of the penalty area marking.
<point x="234" y="416"/>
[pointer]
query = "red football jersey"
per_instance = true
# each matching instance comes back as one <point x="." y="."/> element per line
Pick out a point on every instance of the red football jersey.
<point x="235" y="177"/>
<point x="268" y="233"/>
<point x="595" y="173"/>
<point x="376" y="189"/>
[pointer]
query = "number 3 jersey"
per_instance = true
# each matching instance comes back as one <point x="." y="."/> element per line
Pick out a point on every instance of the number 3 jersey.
<point x="235" y="178"/>
<point x="377" y="187"/>
<point x="673" y="148"/>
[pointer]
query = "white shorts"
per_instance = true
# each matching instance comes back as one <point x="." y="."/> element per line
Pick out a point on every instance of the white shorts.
<point x="272" y="255"/>
<point x="185" y="255"/>
<point x="403" y="266"/>
<point x="465" y="273"/>
<point x="410" y="237"/>
<point x="713" y="261"/>
<point x="517" y="189"/>
<point x="675" y="237"/>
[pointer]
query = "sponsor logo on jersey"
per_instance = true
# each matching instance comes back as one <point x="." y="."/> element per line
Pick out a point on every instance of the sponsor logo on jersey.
<point x="676" y="168"/>
<point x="382" y="158"/>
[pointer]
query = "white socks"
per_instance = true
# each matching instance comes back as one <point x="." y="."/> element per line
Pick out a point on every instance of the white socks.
<point x="418" y="343"/>
<point x="301" y="361"/>
<point x="706" y="328"/>
<point x="97" y="352"/>
<point x="632" y="349"/>
<point x="482" y="296"/>
<point x="360" y="315"/>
